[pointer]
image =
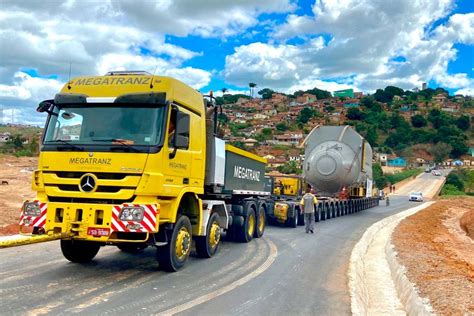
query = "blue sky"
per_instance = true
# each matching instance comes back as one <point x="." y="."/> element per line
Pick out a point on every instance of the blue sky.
<point x="284" y="45"/>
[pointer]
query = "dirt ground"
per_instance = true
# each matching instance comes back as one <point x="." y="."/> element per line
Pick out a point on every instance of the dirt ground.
<point x="438" y="253"/>
<point x="17" y="172"/>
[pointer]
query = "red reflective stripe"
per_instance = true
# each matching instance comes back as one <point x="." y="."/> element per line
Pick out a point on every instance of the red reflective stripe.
<point x="145" y="226"/>
<point x="42" y="223"/>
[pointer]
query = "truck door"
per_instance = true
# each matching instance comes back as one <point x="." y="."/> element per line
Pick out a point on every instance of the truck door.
<point x="178" y="156"/>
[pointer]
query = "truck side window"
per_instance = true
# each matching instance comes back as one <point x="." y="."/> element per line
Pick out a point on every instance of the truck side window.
<point x="172" y="128"/>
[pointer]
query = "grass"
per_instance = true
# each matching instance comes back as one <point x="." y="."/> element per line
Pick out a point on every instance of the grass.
<point x="400" y="176"/>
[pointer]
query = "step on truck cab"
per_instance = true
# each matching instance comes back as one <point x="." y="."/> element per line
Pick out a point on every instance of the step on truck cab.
<point x="132" y="160"/>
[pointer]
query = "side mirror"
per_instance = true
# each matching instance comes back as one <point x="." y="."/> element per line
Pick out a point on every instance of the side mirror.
<point x="45" y="106"/>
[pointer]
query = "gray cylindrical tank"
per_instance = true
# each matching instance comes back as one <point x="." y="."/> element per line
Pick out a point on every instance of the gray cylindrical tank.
<point x="336" y="157"/>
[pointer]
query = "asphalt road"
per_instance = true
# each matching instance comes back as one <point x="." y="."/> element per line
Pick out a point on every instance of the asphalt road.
<point x="285" y="272"/>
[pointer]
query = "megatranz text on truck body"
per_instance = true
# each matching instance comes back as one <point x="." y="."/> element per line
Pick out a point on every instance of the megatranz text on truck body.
<point x="133" y="160"/>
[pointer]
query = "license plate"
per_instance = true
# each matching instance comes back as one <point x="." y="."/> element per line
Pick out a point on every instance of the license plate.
<point x="98" y="232"/>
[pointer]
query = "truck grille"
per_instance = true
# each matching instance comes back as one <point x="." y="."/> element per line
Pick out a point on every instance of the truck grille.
<point x="64" y="185"/>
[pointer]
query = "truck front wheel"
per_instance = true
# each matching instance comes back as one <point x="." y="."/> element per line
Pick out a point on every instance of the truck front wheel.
<point x="79" y="251"/>
<point x="174" y="255"/>
<point x="206" y="246"/>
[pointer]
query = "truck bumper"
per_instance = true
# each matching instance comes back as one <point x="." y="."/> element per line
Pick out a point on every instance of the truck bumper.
<point x="94" y="222"/>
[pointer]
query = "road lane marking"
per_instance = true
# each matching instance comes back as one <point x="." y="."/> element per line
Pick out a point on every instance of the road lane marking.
<point x="207" y="297"/>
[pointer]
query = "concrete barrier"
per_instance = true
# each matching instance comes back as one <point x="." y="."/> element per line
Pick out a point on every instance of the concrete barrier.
<point x="377" y="282"/>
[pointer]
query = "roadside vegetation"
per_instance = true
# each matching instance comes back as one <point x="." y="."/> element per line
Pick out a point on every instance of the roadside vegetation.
<point x="382" y="180"/>
<point x="459" y="182"/>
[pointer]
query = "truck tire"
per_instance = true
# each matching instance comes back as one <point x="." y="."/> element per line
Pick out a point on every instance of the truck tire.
<point x="261" y="222"/>
<point x="245" y="233"/>
<point x="174" y="255"/>
<point x="292" y="221"/>
<point x="237" y="209"/>
<point x="79" y="251"/>
<point x="132" y="247"/>
<point x="206" y="246"/>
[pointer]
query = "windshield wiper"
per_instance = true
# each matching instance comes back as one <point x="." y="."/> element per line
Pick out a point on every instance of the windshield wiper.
<point x="62" y="141"/>
<point x="116" y="140"/>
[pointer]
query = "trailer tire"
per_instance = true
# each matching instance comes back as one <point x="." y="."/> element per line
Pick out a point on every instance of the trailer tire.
<point x="293" y="220"/>
<point x="174" y="255"/>
<point x="246" y="231"/>
<point x="79" y="251"/>
<point x="261" y="222"/>
<point x="206" y="246"/>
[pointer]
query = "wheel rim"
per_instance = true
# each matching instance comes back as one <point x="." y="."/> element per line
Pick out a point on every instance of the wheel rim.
<point x="261" y="222"/>
<point x="251" y="227"/>
<point x="183" y="243"/>
<point x="214" y="235"/>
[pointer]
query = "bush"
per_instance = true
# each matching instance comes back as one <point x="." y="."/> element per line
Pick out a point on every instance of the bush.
<point x="455" y="180"/>
<point x="449" y="189"/>
<point x="397" y="177"/>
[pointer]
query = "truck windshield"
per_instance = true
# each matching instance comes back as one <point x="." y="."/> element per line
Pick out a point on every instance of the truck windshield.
<point x="105" y="125"/>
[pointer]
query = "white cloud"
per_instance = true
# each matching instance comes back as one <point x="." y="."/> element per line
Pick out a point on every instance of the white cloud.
<point x="466" y="91"/>
<point x="213" y="18"/>
<point x="365" y="38"/>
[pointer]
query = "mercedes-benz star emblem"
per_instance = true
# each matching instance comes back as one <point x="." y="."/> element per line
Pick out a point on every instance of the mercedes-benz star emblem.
<point x="88" y="183"/>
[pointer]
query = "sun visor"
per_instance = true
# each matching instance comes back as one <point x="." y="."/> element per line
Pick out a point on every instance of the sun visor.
<point x="142" y="98"/>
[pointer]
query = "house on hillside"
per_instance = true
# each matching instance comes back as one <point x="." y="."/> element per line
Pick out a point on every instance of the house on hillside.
<point x="382" y="158"/>
<point x="397" y="162"/>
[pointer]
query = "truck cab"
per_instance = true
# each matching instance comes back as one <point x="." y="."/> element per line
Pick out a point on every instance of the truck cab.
<point x="123" y="162"/>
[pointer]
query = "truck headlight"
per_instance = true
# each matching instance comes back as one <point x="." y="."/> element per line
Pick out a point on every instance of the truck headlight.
<point x="132" y="213"/>
<point x="31" y="209"/>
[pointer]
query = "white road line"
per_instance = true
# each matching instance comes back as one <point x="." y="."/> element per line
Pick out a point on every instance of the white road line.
<point x="207" y="297"/>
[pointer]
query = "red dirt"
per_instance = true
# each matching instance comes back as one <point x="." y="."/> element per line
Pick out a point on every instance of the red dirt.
<point x="17" y="172"/>
<point x="439" y="255"/>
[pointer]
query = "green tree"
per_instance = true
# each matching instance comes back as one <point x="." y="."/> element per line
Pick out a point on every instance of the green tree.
<point x="305" y="115"/>
<point x="382" y="96"/>
<point x="372" y="136"/>
<point x="281" y="127"/>
<point x="354" y="114"/>
<point x="463" y="122"/>
<point x="266" y="93"/>
<point x="455" y="180"/>
<point x="418" y="121"/>
<point x="440" y="151"/>
<point x="290" y="167"/>
<point x="379" y="178"/>
<point x="252" y="86"/>
<point x="391" y="90"/>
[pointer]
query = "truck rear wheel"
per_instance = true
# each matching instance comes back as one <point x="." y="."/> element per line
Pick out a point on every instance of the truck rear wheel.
<point x="206" y="246"/>
<point x="79" y="251"/>
<point x="245" y="233"/>
<point x="174" y="255"/>
<point x="261" y="222"/>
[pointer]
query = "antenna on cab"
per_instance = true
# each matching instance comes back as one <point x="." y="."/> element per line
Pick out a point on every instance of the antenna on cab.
<point x="69" y="79"/>
<point x="153" y="77"/>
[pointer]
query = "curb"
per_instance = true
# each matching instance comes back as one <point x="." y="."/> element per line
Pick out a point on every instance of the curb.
<point x="396" y="295"/>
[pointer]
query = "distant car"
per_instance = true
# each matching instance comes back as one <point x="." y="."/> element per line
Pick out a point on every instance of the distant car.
<point x="436" y="173"/>
<point x="416" y="196"/>
<point x="428" y="170"/>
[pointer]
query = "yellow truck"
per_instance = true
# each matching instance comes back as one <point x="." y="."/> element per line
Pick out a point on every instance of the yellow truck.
<point x="133" y="160"/>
